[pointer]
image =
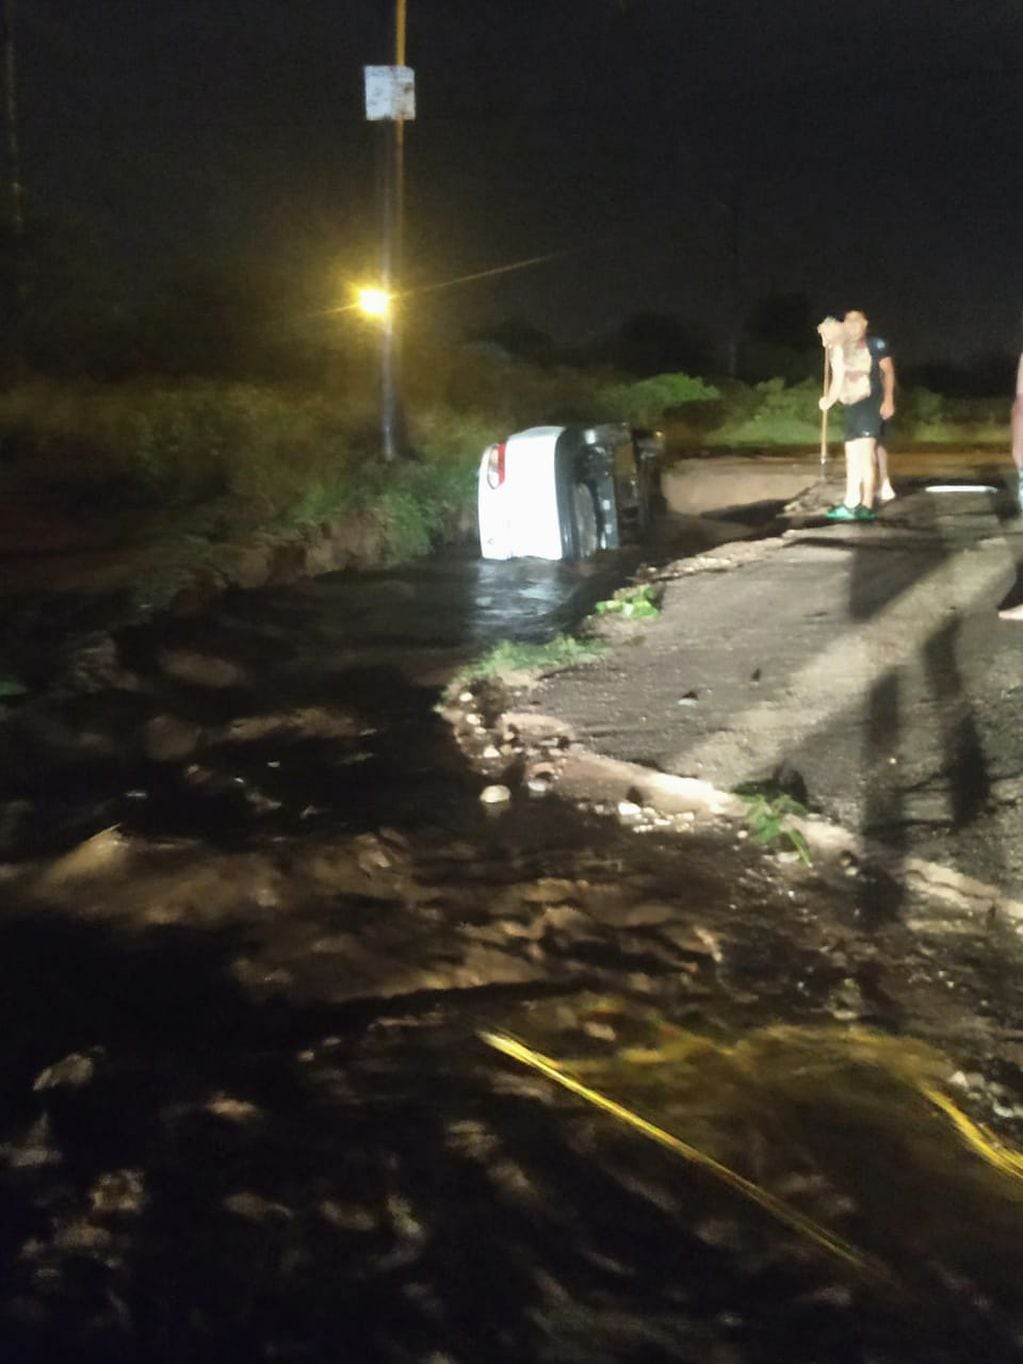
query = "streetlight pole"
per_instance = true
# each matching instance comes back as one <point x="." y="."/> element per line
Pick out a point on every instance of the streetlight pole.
<point x="7" y="28"/>
<point x="393" y="207"/>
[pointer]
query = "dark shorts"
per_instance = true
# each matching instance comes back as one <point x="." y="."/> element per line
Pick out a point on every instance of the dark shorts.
<point x="863" y="420"/>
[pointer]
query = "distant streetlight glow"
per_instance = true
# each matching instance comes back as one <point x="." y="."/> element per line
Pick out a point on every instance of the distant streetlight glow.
<point x="374" y="302"/>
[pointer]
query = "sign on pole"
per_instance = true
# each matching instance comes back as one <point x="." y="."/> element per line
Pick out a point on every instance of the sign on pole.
<point x="390" y="93"/>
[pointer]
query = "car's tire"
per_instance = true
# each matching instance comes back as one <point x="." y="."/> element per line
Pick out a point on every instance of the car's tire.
<point x="586" y="527"/>
<point x="644" y="508"/>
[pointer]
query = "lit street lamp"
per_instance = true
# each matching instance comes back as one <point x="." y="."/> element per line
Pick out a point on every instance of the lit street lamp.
<point x="374" y="302"/>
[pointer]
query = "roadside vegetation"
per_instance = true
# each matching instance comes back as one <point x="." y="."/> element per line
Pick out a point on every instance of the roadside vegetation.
<point x="299" y="454"/>
<point x="512" y="662"/>
<point x="203" y="417"/>
<point x="640" y="601"/>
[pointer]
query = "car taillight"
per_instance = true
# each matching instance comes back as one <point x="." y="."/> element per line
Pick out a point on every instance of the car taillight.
<point x="495" y="465"/>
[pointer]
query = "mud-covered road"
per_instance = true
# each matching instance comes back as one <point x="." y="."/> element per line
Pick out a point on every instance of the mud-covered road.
<point x="255" y="919"/>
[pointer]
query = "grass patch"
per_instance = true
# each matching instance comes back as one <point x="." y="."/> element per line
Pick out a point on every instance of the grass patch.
<point x="768" y="820"/>
<point x="632" y="603"/>
<point x="535" y="660"/>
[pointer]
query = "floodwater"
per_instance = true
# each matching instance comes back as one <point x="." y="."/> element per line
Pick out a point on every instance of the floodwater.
<point x="248" y="1110"/>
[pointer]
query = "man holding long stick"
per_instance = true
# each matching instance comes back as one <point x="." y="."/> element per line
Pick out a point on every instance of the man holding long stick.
<point x="863" y="380"/>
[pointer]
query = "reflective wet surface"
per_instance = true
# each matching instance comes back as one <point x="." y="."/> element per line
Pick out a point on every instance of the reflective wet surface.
<point x="251" y="939"/>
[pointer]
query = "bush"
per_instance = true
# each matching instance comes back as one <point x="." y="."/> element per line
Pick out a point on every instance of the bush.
<point x="649" y="401"/>
<point x="180" y="443"/>
<point x="776" y="415"/>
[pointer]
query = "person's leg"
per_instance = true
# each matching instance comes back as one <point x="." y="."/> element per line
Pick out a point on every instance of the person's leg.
<point x="852" y="473"/>
<point x="885" y="491"/>
<point x="862" y="452"/>
<point x="1017" y="443"/>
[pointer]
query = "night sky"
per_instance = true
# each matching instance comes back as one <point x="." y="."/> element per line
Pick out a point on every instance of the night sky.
<point x="866" y="153"/>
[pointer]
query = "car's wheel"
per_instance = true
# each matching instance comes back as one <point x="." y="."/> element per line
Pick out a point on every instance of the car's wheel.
<point x="644" y="508"/>
<point x="584" y="515"/>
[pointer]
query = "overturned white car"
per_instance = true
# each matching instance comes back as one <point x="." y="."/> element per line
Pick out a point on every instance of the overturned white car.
<point x="564" y="492"/>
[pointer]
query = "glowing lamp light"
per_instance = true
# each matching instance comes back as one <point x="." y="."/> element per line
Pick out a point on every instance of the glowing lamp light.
<point x="374" y="302"/>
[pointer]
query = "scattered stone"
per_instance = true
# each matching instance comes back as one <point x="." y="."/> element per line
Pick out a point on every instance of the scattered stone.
<point x="118" y="1192"/>
<point x="564" y="918"/>
<point x="629" y="811"/>
<point x="549" y="890"/>
<point x="846" y="1001"/>
<point x="347" y="1216"/>
<point x="254" y="1208"/>
<point x="74" y="1071"/>
<point x="34" y="1151"/>
<point x="476" y="721"/>
<point x="491" y="752"/>
<point x="233" y="1110"/>
<point x="202" y="670"/>
<point x="15" y="816"/>
<point x="96" y="667"/>
<point x="495" y="795"/>
<point x="166" y="739"/>
<point x="372" y="858"/>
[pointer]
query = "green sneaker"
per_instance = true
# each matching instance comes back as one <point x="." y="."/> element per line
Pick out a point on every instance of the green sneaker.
<point x="862" y="513"/>
<point x="840" y="512"/>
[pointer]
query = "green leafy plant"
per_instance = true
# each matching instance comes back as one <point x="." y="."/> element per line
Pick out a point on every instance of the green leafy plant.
<point x="631" y="603"/>
<point x="648" y="401"/>
<point x="768" y="820"/>
<point x="509" y="657"/>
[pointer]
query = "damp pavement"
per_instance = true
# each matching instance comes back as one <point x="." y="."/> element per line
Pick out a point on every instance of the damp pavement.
<point x="255" y="919"/>
<point x="864" y="667"/>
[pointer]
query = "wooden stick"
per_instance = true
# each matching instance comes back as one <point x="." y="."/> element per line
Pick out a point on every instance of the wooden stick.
<point x="824" y="414"/>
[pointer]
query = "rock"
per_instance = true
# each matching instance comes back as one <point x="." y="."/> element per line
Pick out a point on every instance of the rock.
<point x="34" y="1150"/>
<point x="118" y="1192"/>
<point x="96" y="856"/>
<point x="96" y="666"/>
<point x="348" y="1216"/>
<point x="495" y="795"/>
<point x="73" y="1072"/>
<point x="202" y="670"/>
<point x="629" y="811"/>
<point x="566" y="918"/>
<point x="254" y="1208"/>
<point x="846" y="1001"/>
<point x="549" y="890"/>
<point x="233" y="1110"/>
<point x="490" y="753"/>
<point x="322" y="557"/>
<point x="15" y="817"/>
<point x="694" y="941"/>
<point x="646" y="914"/>
<point x="166" y="739"/>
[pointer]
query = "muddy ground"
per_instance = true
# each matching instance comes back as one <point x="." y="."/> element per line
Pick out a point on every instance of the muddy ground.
<point x="255" y="918"/>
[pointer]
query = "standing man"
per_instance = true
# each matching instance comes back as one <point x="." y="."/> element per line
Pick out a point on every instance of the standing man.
<point x="1017" y="432"/>
<point x="863" y="380"/>
<point x="1016" y="612"/>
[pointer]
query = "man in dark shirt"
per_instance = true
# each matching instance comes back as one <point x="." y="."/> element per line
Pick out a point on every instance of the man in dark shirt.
<point x="1016" y="612"/>
<point x="1017" y="432"/>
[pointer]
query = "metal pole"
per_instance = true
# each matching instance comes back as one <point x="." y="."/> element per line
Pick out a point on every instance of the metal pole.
<point x="11" y="119"/>
<point x="393" y="204"/>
